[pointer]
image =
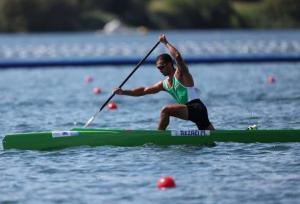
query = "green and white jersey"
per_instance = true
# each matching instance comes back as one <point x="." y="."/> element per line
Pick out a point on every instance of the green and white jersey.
<point x="180" y="93"/>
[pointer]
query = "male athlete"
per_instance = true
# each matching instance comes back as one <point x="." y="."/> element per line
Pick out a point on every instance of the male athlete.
<point x="180" y="84"/>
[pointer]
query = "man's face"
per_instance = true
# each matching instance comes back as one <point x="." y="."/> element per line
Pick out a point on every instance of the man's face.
<point x="162" y="67"/>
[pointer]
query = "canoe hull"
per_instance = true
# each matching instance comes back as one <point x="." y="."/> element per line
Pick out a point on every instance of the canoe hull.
<point x="100" y="137"/>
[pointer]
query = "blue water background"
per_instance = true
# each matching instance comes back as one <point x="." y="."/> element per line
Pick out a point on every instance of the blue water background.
<point x="237" y="95"/>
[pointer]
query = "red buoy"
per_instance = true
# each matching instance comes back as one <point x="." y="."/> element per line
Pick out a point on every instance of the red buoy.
<point x="112" y="106"/>
<point x="271" y="80"/>
<point x="97" y="90"/>
<point x="166" y="182"/>
<point x="88" y="79"/>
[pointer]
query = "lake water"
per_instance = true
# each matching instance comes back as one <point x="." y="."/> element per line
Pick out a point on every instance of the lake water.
<point x="237" y="95"/>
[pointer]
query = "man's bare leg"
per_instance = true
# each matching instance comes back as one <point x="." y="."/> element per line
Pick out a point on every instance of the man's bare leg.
<point x="211" y="127"/>
<point x="175" y="110"/>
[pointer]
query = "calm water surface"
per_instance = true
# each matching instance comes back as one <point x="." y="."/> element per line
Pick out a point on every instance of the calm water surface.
<point x="237" y="95"/>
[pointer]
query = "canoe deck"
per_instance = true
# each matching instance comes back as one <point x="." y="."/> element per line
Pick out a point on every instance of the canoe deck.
<point x="115" y="137"/>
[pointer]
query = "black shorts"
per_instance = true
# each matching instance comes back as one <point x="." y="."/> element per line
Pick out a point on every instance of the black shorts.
<point x="198" y="114"/>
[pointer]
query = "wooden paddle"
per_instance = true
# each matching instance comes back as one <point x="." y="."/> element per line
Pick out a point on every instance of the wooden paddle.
<point x="113" y="94"/>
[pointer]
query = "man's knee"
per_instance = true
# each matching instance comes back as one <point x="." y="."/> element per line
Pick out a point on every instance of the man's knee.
<point x="165" y="110"/>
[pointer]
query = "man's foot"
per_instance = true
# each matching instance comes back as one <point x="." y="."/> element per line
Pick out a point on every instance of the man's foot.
<point x="252" y="127"/>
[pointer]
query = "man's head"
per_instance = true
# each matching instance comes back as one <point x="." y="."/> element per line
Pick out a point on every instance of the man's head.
<point x="164" y="63"/>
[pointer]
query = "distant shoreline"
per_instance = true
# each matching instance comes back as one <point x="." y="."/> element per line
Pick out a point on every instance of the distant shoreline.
<point x="24" y="16"/>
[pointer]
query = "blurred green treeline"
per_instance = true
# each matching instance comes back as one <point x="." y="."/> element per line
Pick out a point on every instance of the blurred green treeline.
<point x="82" y="15"/>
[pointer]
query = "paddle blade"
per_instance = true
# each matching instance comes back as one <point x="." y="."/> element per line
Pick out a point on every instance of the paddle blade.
<point x="89" y="121"/>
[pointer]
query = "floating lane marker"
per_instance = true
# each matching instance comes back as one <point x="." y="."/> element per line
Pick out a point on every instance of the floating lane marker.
<point x="165" y="182"/>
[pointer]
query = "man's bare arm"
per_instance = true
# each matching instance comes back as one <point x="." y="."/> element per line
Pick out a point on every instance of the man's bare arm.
<point x="175" y="54"/>
<point x="140" y="91"/>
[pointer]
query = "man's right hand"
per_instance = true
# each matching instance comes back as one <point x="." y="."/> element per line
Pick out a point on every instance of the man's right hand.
<point x="118" y="91"/>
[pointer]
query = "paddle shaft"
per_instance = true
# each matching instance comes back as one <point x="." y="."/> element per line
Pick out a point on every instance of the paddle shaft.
<point x="113" y="94"/>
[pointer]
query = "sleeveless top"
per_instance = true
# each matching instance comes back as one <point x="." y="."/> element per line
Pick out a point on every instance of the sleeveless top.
<point x="180" y="93"/>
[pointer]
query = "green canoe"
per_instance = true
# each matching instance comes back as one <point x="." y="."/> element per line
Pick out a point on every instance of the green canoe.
<point x="98" y="137"/>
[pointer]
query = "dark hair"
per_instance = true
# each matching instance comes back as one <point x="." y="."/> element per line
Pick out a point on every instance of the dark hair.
<point x="164" y="57"/>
